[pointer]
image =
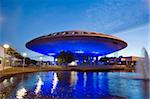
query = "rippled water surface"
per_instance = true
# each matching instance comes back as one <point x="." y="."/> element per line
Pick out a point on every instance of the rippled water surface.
<point x="70" y="84"/>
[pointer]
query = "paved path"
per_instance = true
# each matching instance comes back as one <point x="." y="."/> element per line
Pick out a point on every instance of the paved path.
<point x="6" y="67"/>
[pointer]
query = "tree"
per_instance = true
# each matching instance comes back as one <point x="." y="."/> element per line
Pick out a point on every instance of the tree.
<point x="104" y="59"/>
<point x="30" y="61"/>
<point x="65" y="57"/>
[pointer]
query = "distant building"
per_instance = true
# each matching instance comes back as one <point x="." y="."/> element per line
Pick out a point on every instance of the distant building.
<point x="131" y="60"/>
<point x="1" y="55"/>
<point x="10" y="57"/>
<point x="128" y="61"/>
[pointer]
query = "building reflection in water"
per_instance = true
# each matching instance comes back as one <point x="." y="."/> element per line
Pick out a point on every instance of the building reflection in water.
<point x="73" y="79"/>
<point x="66" y="84"/>
<point x="21" y="93"/>
<point x="54" y="82"/>
<point x="6" y="83"/>
<point x="85" y="79"/>
<point x="38" y="85"/>
<point x="146" y="88"/>
<point x="11" y="80"/>
<point x="88" y="83"/>
<point x="131" y="88"/>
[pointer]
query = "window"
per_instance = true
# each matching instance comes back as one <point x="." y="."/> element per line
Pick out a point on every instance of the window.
<point x="72" y="33"/>
<point x="58" y="33"/>
<point x="66" y="32"/>
<point x="50" y="35"/>
<point x="42" y="36"/>
<point x="115" y="43"/>
<point x="55" y="34"/>
<point x="75" y="32"/>
<point x="85" y="33"/>
<point x="63" y="33"/>
<point x="93" y="33"/>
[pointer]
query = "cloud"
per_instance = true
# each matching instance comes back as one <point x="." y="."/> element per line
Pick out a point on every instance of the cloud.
<point x="114" y="16"/>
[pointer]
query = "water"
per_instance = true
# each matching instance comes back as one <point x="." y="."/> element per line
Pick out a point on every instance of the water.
<point x="70" y="84"/>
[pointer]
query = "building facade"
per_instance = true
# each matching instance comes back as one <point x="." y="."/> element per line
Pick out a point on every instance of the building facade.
<point x="8" y="58"/>
<point x="1" y="56"/>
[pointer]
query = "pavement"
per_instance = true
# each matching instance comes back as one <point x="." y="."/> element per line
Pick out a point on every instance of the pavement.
<point x="6" y="67"/>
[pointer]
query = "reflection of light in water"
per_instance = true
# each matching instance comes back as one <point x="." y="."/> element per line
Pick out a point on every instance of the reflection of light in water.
<point x="38" y="85"/>
<point x="11" y="80"/>
<point x="74" y="78"/>
<point x="95" y="79"/>
<point x="55" y="81"/>
<point x="85" y="79"/>
<point x="5" y="83"/>
<point x="21" y="93"/>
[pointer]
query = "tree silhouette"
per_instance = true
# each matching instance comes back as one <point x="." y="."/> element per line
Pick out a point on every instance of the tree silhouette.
<point x="65" y="57"/>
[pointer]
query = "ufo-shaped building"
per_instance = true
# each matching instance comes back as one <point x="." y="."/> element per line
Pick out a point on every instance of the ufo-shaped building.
<point x="86" y="43"/>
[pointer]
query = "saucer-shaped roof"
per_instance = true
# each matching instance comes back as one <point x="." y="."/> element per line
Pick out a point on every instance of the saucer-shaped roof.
<point x="78" y="42"/>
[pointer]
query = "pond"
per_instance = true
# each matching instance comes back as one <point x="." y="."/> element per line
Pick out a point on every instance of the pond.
<point x="74" y="85"/>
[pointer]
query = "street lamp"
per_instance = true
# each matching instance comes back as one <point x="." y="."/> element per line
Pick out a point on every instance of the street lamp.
<point x="24" y="54"/>
<point x="41" y="58"/>
<point x="6" y="47"/>
<point x="24" y="61"/>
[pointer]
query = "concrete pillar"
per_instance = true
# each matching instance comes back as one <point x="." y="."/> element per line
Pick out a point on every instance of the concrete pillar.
<point x="87" y="59"/>
<point x="54" y="60"/>
<point x="91" y="60"/>
<point x="80" y="59"/>
<point x="96" y="60"/>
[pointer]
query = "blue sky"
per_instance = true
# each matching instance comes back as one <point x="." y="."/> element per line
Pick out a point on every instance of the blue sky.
<point x="23" y="20"/>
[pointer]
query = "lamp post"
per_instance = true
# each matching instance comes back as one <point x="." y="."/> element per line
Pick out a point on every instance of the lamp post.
<point x="40" y="61"/>
<point x="24" y="60"/>
<point x="6" y="47"/>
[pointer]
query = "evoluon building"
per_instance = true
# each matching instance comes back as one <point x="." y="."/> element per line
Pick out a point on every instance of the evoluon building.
<point x="81" y="43"/>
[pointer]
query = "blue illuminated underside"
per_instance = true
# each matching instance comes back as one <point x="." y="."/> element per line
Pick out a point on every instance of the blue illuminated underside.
<point x="76" y="46"/>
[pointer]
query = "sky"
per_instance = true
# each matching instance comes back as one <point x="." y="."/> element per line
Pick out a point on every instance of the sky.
<point x="23" y="20"/>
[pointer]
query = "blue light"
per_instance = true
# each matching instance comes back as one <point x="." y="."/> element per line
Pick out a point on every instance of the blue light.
<point x="87" y="47"/>
<point x="51" y="54"/>
<point x="79" y="52"/>
<point x="95" y="52"/>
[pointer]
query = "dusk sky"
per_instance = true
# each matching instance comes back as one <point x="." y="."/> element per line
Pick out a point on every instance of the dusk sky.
<point x="23" y="20"/>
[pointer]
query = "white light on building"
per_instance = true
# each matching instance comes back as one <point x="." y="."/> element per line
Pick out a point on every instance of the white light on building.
<point x="24" y="54"/>
<point x="21" y="93"/>
<point x="6" y="46"/>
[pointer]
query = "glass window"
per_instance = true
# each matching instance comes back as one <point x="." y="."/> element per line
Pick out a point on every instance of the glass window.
<point x="85" y="33"/>
<point x="50" y="35"/>
<point x="75" y="32"/>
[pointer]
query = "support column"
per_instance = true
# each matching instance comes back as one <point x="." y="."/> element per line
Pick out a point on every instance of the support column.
<point x="87" y="59"/>
<point x="54" y="60"/>
<point x="91" y="60"/>
<point x="80" y="59"/>
<point x="96" y="60"/>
